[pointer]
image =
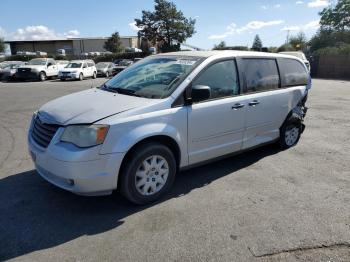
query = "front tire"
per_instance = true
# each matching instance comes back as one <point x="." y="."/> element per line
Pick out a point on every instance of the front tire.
<point x="81" y="77"/>
<point x="148" y="173"/>
<point x="42" y="76"/>
<point x="107" y="74"/>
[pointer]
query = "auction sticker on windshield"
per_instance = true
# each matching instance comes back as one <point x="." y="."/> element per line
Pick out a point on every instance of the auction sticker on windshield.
<point x="186" y="62"/>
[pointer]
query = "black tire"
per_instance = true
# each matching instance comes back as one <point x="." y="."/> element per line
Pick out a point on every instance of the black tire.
<point x="294" y="126"/>
<point x="94" y="75"/>
<point x="128" y="173"/>
<point x="107" y="74"/>
<point x="62" y="79"/>
<point x="81" y="77"/>
<point x="42" y="76"/>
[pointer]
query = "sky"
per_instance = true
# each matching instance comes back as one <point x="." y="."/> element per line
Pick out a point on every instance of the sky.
<point x="235" y="22"/>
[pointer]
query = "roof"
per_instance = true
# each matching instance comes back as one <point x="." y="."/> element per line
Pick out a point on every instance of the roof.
<point x="223" y="53"/>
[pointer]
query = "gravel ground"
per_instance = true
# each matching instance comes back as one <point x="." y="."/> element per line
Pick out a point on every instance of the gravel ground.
<point x="264" y="205"/>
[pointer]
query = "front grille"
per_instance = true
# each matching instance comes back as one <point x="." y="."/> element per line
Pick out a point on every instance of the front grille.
<point x="43" y="133"/>
<point x="24" y="70"/>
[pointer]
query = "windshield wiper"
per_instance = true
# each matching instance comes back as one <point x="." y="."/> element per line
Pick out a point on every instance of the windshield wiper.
<point x="119" y="90"/>
<point x="107" y="88"/>
<point x="125" y="91"/>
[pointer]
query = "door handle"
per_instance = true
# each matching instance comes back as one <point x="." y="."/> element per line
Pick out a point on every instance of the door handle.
<point x="254" y="103"/>
<point x="237" y="106"/>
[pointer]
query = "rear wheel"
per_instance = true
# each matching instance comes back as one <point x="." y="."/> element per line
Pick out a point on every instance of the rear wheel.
<point x="290" y="133"/>
<point x="42" y="76"/>
<point x="107" y="74"/>
<point x="148" y="174"/>
<point x="94" y="75"/>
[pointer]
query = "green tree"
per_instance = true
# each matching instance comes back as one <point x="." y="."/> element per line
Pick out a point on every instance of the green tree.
<point x="2" y="45"/>
<point x="336" y="17"/>
<point x="257" y="44"/>
<point x="144" y="45"/>
<point x="114" y="44"/>
<point x="298" y="42"/>
<point x="220" y="46"/>
<point x="165" y="26"/>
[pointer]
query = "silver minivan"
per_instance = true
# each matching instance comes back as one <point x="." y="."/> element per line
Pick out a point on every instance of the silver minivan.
<point x="165" y="113"/>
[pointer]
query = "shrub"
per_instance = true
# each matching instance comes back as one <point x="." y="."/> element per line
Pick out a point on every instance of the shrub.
<point x="343" y="49"/>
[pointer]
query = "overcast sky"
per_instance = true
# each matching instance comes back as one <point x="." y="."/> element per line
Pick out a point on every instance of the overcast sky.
<point x="235" y="22"/>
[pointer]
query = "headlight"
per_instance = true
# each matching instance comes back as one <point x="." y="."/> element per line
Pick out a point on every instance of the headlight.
<point x="84" y="135"/>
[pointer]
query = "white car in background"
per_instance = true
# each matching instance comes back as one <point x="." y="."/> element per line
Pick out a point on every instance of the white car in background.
<point x="299" y="55"/>
<point x="38" y="68"/>
<point x="78" y="69"/>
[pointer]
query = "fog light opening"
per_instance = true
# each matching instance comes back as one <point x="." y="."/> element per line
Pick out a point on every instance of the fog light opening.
<point x="71" y="182"/>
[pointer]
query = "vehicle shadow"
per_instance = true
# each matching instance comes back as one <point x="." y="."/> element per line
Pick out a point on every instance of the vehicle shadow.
<point x="35" y="215"/>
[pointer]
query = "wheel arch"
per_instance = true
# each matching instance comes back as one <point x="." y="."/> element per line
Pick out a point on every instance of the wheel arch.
<point x="165" y="140"/>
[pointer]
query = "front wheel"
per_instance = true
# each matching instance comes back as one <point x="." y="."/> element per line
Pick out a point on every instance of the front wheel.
<point x="107" y="74"/>
<point x="148" y="174"/>
<point x="81" y="77"/>
<point x="42" y="76"/>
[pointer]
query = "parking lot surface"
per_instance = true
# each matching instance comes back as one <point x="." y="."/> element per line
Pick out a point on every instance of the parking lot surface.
<point x="263" y="205"/>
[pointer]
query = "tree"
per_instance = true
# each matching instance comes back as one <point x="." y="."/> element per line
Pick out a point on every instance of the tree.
<point x="2" y="45"/>
<point x="114" y="44"/>
<point x="336" y="17"/>
<point x="257" y="44"/>
<point x="144" y="45"/>
<point x="298" y="42"/>
<point x="220" y="46"/>
<point x="165" y="26"/>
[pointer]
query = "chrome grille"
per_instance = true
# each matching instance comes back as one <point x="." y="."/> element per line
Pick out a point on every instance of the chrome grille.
<point x="43" y="133"/>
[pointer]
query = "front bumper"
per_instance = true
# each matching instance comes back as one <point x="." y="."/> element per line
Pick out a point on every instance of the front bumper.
<point x="27" y="75"/>
<point x="101" y="73"/>
<point x="81" y="171"/>
<point x="68" y="76"/>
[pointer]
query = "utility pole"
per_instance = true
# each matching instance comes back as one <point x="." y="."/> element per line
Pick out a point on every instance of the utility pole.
<point x="288" y="31"/>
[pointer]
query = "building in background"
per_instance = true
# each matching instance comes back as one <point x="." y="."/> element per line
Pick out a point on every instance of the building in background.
<point x="72" y="46"/>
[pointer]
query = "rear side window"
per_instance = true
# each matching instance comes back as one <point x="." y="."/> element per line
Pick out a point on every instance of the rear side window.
<point x="293" y="73"/>
<point x="260" y="74"/>
<point x="90" y="64"/>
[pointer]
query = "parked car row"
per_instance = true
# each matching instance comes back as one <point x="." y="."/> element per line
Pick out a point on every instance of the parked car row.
<point x="44" y="68"/>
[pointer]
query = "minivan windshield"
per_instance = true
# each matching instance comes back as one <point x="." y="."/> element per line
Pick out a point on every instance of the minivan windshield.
<point x="37" y="61"/>
<point x="156" y="77"/>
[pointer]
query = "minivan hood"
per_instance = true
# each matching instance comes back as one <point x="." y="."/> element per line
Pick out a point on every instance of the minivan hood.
<point x="89" y="106"/>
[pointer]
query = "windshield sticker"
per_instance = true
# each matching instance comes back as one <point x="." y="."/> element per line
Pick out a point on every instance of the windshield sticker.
<point x="186" y="62"/>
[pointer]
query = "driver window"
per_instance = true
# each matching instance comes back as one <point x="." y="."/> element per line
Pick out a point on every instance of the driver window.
<point x="221" y="78"/>
<point x="84" y="65"/>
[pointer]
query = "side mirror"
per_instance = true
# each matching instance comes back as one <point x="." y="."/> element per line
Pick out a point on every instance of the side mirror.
<point x="200" y="93"/>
